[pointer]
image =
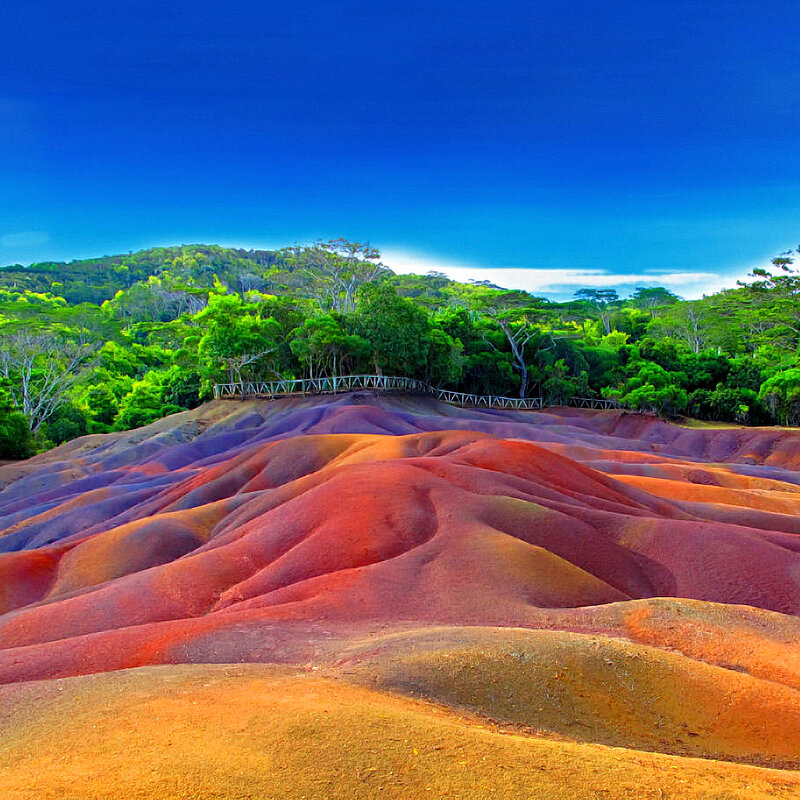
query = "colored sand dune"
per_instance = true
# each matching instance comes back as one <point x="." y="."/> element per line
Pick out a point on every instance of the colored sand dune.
<point x="358" y="597"/>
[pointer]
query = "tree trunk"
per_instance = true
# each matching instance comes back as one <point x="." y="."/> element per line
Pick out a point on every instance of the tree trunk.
<point x="523" y="384"/>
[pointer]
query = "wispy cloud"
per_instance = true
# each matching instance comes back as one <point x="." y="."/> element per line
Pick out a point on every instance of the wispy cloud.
<point x="561" y="284"/>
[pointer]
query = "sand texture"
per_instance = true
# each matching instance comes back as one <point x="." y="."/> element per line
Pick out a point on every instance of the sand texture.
<point x="360" y="597"/>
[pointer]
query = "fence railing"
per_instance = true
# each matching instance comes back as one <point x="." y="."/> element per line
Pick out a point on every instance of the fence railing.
<point x="390" y="383"/>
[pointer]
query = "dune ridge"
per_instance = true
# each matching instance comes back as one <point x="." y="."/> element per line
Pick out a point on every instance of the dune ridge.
<point x="535" y="583"/>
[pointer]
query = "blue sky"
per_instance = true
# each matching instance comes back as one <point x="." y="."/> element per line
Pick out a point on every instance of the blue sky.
<point x="542" y="144"/>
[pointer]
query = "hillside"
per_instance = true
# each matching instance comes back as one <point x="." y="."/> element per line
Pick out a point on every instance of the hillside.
<point x="349" y="595"/>
<point x="95" y="280"/>
<point x="113" y="343"/>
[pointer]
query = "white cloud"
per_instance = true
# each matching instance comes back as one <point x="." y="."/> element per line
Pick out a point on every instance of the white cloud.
<point x="24" y="239"/>
<point x="560" y="284"/>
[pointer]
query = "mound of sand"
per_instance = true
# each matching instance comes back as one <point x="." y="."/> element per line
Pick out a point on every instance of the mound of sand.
<point x="238" y="732"/>
<point x="589" y="581"/>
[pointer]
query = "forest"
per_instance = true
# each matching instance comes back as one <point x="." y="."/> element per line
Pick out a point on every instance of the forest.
<point x="113" y="343"/>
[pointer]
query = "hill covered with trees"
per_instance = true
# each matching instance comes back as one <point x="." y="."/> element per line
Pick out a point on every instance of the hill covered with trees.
<point x="116" y="342"/>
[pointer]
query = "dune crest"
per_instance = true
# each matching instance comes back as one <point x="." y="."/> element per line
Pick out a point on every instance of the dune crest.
<point x="573" y="579"/>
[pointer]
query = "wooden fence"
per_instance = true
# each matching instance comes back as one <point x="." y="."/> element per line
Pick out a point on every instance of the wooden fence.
<point x="389" y="384"/>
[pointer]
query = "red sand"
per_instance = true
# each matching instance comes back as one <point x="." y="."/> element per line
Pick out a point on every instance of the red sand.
<point x="473" y="557"/>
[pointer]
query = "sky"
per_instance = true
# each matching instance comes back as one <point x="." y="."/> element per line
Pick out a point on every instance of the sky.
<point x="545" y="145"/>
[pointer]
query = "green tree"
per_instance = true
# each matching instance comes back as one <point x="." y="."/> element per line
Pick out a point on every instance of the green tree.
<point x="237" y="343"/>
<point x="602" y="301"/>
<point x="324" y="348"/>
<point x="102" y="404"/>
<point x="397" y="330"/>
<point x="651" y="388"/>
<point x="335" y="271"/>
<point x="144" y="404"/>
<point x="781" y="395"/>
<point x="16" y="440"/>
<point x="687" y="322"/>
<point x="518" y="315"/>
<point x="68" y="422"/>
<point x="444" y="361"/>
<point x="653" y="299"/>
<point x="557" y="385"/>
<point x="39" y="368"/>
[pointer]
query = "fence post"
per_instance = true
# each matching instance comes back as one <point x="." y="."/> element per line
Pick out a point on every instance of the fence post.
<point x="386" y="383"/>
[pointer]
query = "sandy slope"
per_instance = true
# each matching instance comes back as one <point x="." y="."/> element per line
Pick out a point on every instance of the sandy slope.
<point x="239" y="732"/>
<point x="437" y="601"/>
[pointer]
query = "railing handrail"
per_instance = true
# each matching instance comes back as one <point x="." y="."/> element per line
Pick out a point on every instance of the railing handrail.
<point x="346" y="383"/>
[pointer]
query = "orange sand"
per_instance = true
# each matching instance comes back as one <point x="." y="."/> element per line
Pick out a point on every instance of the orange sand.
<point x="237" y="732"/>
<point x="362" y="597"/>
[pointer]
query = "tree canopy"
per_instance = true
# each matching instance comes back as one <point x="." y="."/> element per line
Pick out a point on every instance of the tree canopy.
<point x="115" y="342"/>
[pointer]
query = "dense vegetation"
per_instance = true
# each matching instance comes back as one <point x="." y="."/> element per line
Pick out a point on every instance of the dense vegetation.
<point x="117" y="342"/>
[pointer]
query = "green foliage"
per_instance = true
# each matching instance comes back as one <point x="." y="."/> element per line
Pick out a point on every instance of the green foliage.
<point x="658" y="400"/>
<point x="238" y="343"/>
<point x="781" y="395"/>
<point x="604" y="366"/>
<point x="101" y="403"/>
<point x="601" y="303"/>
<point x="324" y="348"/>
<point x="144" y="404"/>
<point x="136" y="336"/>
<point x="725" y="403"/>
<point x="396" y="329"/>
<point x="96" y="280"/>
<point x="651" y="388"/>
<point x="16" y="440"/>
<point x="444" y="360"/>
<point x="68" y="422"/>
<point x="335" y="271"/>
<point x="486" y="368"/>
<point x="182" y="386"/>
<point x="653" y="298"/>
<point x="558" y="387"/>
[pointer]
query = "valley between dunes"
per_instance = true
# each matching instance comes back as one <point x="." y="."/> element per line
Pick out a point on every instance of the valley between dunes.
<point x="362" y="597"/>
